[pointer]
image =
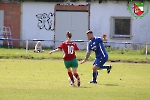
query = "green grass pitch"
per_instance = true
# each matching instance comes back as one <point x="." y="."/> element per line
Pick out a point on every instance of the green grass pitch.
<point x="48" y="80"/>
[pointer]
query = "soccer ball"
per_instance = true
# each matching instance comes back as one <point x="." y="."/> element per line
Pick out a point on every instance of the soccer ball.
<point x="38" y="50"/>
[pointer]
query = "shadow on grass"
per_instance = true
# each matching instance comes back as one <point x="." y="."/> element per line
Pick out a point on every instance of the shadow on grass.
<point x="109" y="84"/>
<point x="84" y="87"/>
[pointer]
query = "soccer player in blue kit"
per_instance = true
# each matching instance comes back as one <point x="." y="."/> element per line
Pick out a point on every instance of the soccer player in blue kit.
<point x="96" y="45"/>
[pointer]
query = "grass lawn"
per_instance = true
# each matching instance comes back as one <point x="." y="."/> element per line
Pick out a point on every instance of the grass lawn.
<point x="47" y="79"/>
<point x="127" y="56"/>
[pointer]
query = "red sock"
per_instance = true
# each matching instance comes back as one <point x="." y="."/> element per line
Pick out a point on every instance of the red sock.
<point x="76" y="76"/>
<point x="71" y="76"/>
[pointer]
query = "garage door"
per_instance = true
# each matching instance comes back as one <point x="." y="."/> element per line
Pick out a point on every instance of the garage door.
<point x="77" y="22"/>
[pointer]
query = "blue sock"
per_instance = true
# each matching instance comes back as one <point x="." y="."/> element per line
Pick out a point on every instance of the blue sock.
<point x="95" y="76"/>
<point x="105" y="67"/>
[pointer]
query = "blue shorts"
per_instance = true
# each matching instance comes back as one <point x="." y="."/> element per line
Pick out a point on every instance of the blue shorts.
<point x="99" y="62"/>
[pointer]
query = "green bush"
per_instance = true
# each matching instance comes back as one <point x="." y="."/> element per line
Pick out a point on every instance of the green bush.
<point x="143" y="51"/>
<point x="109" y="49"/>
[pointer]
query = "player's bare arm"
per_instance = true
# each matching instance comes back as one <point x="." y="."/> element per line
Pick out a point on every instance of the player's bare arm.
<point x="88" y="53"/>
<point x="54" y="51"/>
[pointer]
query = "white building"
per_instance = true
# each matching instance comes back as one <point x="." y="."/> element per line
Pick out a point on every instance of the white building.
<point x="111" y="18"/>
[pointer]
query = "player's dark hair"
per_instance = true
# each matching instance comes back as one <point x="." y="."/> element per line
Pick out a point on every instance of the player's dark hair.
<point x="89" y="32"/>
<point x="69" y="34"/>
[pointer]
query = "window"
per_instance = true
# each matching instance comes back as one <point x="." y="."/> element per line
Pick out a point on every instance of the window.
<point x="121" y="27"/>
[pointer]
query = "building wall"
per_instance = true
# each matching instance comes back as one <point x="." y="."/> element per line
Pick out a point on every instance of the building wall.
<point x="1" y="25"/>
<point x="100" y="17"/>
<point x="31" y="13"/>
<point x="100" y="21"/>
<point x="12" y="15"/>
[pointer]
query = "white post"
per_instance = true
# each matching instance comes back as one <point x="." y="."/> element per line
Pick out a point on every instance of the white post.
<point x="146" y="50"/>
<point x="26" y="46"/>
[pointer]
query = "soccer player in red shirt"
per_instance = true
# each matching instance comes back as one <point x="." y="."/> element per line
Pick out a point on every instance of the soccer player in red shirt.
<point x="69" y="57"/>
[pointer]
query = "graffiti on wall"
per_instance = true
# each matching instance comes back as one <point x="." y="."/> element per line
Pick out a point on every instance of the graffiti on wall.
<point x="45" y="21"/>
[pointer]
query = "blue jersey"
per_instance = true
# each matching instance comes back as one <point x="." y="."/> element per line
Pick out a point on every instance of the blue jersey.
<point x="96" y="44"/>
